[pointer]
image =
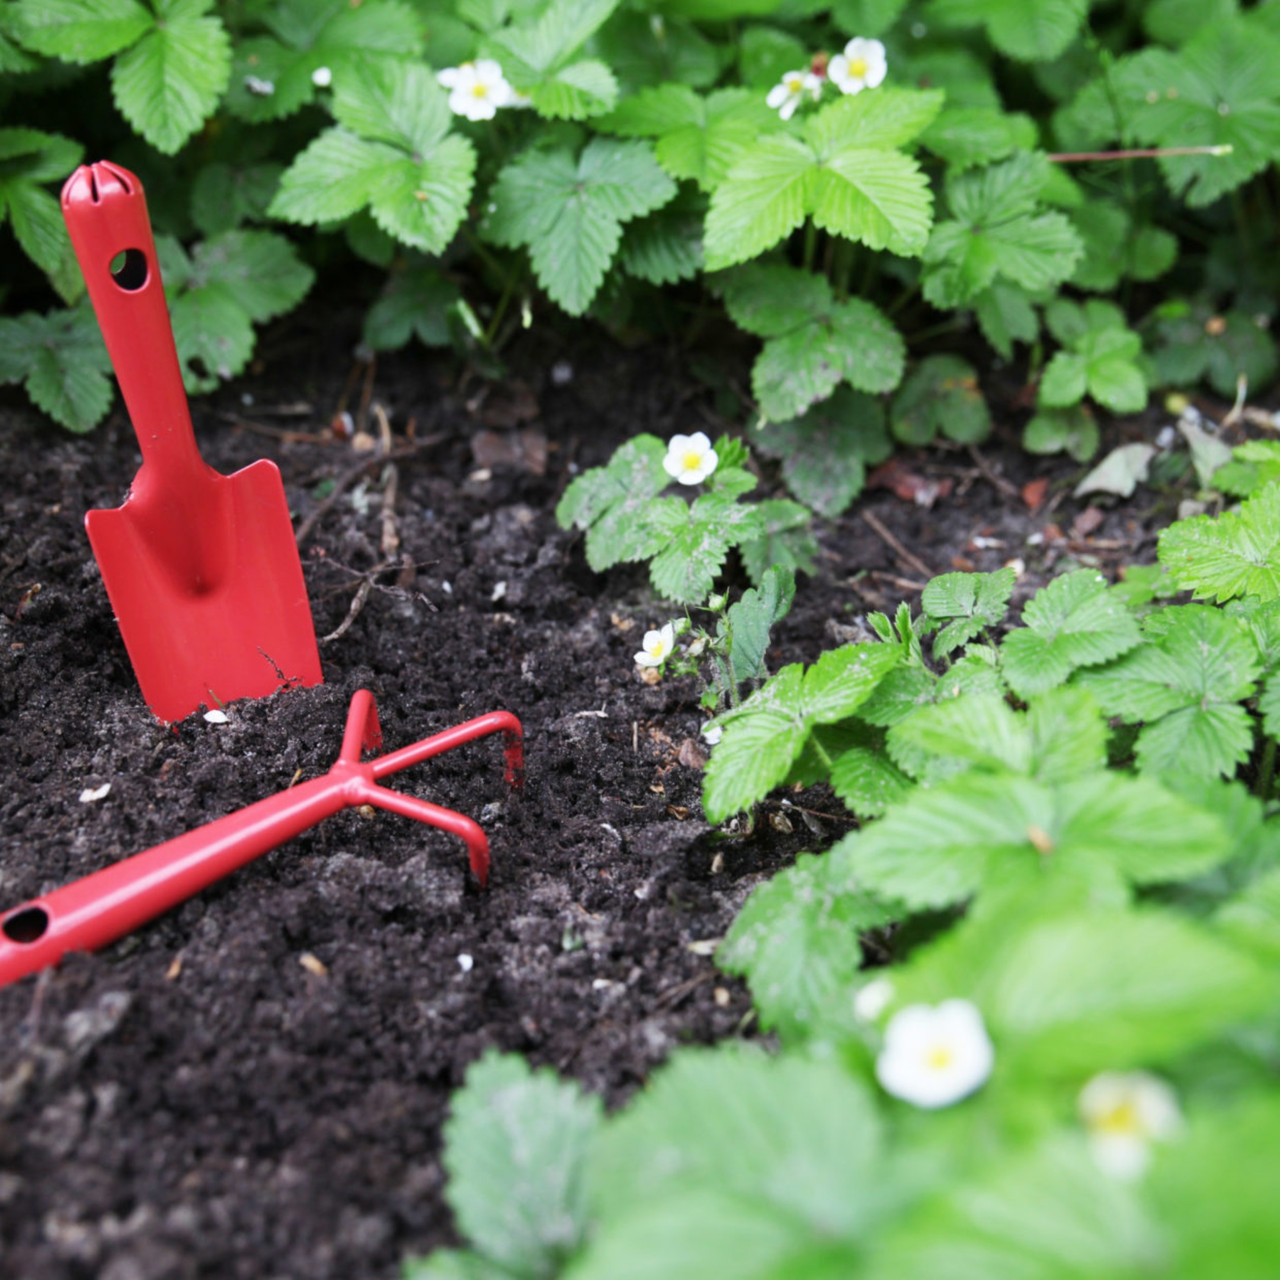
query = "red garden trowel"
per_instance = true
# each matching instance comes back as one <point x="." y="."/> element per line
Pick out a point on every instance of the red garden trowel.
<point x="112" y="902"/>
<point x="202" y="569"/>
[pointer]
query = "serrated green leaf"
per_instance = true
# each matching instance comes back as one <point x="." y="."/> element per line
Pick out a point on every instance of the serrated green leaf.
<point x="731" y="1119"/>
<point x="310" y="34"/>
<point x="1236" y="554"/>
<point x="796" y="943"/>
<point x="61" y="360"/>
<point x="569" y="212"/>
<point x="695" y="545"/>
<point x="516" y="1145"/>
<point x="169" y="82"/>
<point x="941" y="394"/>
<point x="396" y="157"/>
<point x="826" y="451"/>
<point x="665" y="246"/>
<point x="539" y="59"/>
<point x="998" y="230"/>
<point x="81" y="30"/>
<point x="1224" y="93"/>
<point x="1068" y="735"/>
<point x="981" y="731"/>
<point x="607" y="502"/>
<point x="785" y="540"/>
<point x="846" y="173"/>
<point x="1115" y="250"/>
<point x="813" y="342"/>
<point x="262" y="270"/>
<point x="1029" y="32"/>
<point x="1184" y="687"/>
<point x="582" y="89"/>
<point x="749" y="620"/>
<point x="987" y="832"/>
<point x="1073" y="622"/>
<point x="642" y="52"/>
<point x="223" y="195"/>
<point x="213" y="334"/>
<point x="764" y="737"/>
<point x="1006" y="315"/>
<point x="969" y="603"/>
<point x="1195" y="342"/>
<point x="1043" y="1211"/>
<point x="29" y="158"/>
<point x="867" y="781"/>
<point x="1073" y="430"/>
<point x="415" y="303"/>
<point x="968" y="136"/>
<point x="1252" y="918"/>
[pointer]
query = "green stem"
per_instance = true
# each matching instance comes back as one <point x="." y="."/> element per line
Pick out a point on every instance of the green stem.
<point x="1266" y="771"/>
<point x="842" y="270"/>
<point x="810" y="244"/>
<point x="500" y="310"/>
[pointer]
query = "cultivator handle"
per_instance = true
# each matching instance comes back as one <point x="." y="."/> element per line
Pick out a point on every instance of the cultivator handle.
<point x="108" y="904"/>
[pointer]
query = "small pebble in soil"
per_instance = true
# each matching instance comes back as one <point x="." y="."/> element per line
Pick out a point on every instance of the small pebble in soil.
<point x="465" y="963"/>
<point x="561" y="373"/>
<point x="313" y="964"/>
<point x="90" y="794"/>
<point x="215" y="717"/>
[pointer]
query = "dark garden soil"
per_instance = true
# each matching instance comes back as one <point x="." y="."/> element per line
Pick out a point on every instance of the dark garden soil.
<point x="254" y="1085"/>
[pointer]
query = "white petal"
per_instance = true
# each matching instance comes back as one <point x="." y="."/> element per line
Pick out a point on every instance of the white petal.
<point x="450" y="77"/>
<point x="647" y="660"/>
<point x="788" y="108"/>
<point x="777" y="96"/>
<point x="1120" y="1155"/>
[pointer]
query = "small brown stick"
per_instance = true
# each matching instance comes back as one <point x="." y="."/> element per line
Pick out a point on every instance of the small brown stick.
<point x="390" y="546"/>
<point x="352" y="474"/>
<point x="366" y="395"/>
<point x="992" y="476"/>
<point x="896" y="547"/>
<point x="357" y="604"/>
<point x="390" y="543"/>
<point x="904" y="584"/>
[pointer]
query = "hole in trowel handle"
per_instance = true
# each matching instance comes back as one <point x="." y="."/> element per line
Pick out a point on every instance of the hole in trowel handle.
<point x="129" y="269"/>
<point x="26" y="926"/>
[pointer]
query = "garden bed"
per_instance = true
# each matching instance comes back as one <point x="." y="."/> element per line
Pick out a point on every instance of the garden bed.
<point x="253" y="1086"/>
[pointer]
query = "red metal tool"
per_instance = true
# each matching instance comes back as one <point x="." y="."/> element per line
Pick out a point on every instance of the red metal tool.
<point x="202" y="569"/>
<point x="110" y="903"/>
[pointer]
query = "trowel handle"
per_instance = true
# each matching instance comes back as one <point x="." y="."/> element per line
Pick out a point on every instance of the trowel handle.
<point x="106" y="214"/>
<point x="102" y="907"/>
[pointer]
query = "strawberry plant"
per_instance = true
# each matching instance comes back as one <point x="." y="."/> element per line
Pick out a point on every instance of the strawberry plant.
<point x="1070" y="1021"/>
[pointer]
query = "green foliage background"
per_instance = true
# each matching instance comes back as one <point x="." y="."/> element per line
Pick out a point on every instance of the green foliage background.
<point x="645" y="180"/>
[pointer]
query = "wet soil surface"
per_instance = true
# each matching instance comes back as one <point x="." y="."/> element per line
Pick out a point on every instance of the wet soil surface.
<point x="254" y="1085"/>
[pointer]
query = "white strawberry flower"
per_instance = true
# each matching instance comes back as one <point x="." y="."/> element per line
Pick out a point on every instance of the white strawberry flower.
<point x="788" y="94"/>
<point x="690" y="459"/>
<point x="476" y="89"/>
<point x="861" y="66"/>
<point x="1124" y="1112"/>
<point x="322" y="77"/>
<point x="657" y="647"/>
<point x="935" y="1055"/>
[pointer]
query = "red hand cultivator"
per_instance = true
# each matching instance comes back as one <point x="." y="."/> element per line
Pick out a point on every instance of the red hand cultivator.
<point x="110" y="903"/>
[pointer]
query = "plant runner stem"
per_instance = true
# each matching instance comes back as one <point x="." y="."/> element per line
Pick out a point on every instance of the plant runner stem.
<point x="1138" y="153"/>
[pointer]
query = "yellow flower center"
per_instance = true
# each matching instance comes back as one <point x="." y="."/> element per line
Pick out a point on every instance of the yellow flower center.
<point x="939" y="1057"/>
<point x="480" y="90"/>
<point x="691" y="461"/>
<point x="794" y="84"/>
<point x="858" y="68"/>
<point x="1123" y="1118"/>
